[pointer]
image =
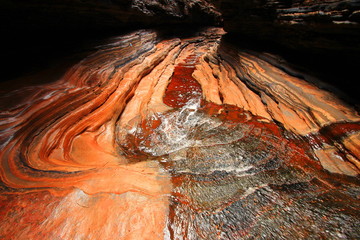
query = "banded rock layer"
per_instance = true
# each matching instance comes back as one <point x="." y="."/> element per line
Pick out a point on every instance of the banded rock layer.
<point x="73" y="15"/>
<point x="178" y="139"/>
<point x="310" y="25"/>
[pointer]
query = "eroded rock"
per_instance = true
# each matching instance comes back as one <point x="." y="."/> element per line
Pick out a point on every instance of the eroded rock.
<point x="178" y="139"/>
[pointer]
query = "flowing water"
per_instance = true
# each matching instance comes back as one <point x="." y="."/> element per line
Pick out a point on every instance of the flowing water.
<point x="239" y="176"/>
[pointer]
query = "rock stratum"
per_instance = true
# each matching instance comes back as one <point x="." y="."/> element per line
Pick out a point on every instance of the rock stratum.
<point x="86" y="15"/>
<point x="308" y="25"/>
<point x="323" y="36"/>
<point x="169" y="138"/>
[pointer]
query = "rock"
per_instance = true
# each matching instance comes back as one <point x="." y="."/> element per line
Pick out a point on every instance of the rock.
<point x="320" y="36"/>
<point x="152" y="138"/>
<point x="93" y="15"/>
<point x="311" y="25"/>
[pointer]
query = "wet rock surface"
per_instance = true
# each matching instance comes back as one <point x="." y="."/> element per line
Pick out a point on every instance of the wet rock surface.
<point x="240" y="178"/>
<point x="178" y="138"/>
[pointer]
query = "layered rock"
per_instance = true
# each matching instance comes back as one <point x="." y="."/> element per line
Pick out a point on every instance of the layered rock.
<point x="322" y="36"/>
<point x="56" y="29"/>
<point x="94" y="15"/>
<point x="178" y="139"/>
<point x="316" y="25"/>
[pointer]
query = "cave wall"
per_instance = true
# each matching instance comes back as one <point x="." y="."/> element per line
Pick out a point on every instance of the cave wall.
<point x="34" y="32"/>
<point x="183" y="138"/>
<point x="295" y="24"/>
<point x="96" y="14"/>
<point x="320" y="36"/>
<point x="165" y="135"/>
<point x="316" y="25"/>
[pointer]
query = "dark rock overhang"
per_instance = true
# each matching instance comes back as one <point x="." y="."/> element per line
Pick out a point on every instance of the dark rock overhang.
<point x="321" y="35"/>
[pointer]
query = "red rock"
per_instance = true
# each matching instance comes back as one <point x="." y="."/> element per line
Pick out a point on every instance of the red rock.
<point x="178" y="138"/>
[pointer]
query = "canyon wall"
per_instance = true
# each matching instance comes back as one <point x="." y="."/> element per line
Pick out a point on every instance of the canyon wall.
<point x="186" y="138"/>
<point x="317" y="25"/>
<point x="100" y="15"/>
<point x="42" y="32"/>
<point x="179" y="132"/>
<point x="321" y="36"/>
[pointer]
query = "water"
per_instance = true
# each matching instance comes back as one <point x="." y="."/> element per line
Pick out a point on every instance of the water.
<point x="237" y="176"/>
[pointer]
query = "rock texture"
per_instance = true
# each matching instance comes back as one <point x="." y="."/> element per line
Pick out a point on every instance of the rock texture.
<point x="97" y="14"/>
<point x="316" y="25"/>
<point x="42" y="32"/>
<point x="178" y="139"/>
<point x="322" y="36"/>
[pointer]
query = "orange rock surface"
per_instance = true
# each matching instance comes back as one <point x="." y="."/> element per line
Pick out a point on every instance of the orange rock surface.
<point x="70" y="168"/>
